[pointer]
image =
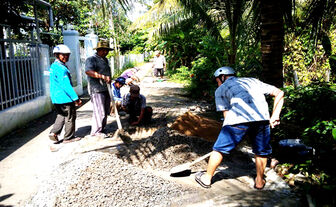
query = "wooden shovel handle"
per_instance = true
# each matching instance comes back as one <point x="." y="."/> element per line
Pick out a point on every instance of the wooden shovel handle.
<point x="114" y="105"/>
<point x="200" y="158"/>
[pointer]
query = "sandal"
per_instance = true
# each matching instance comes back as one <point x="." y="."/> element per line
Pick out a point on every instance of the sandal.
<point x="53" y="137"/>
<point x="199" y="180"/>
<point x="255" y="185"/>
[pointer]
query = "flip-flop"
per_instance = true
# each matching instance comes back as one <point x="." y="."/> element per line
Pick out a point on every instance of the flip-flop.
<point x="71" y="140"/>
<point x="199" y="180"/>
<point x="255" y="185"/>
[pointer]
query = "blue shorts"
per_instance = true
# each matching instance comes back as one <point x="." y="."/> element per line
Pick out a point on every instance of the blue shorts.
<point x="230" y="136"/>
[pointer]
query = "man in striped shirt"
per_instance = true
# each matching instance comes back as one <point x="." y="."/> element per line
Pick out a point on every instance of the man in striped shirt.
<point x="245" y="111"/>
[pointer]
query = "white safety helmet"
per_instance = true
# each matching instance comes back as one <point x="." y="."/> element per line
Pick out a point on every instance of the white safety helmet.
<point x="61" y="49"/>
<point x="224" y="71"/>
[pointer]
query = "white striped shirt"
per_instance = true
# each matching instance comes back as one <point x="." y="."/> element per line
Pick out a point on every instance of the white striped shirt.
<point x="244" y="99"/>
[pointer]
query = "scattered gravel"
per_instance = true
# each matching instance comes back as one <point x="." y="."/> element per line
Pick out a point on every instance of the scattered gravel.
<point x="124" y="175"/>
<point x="106" y="180"/>
<point x="165" y="149"/>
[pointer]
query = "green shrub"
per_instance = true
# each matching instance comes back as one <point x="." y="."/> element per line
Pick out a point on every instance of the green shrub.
<point x="308" y="113"/>
<point x="182" y="74"/>
<point x="202" y="82"/>
<point x="130" y="64"/>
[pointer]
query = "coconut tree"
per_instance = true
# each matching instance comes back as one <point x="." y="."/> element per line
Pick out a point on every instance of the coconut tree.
<point x="272" y="37"/>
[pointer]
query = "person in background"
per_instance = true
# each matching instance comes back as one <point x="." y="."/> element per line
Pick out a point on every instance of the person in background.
<point x="118" y="83"/>
<point x="99" y="75"/>
<point x="130" y="75"/>
<point x="134" y="104"/>
<point x="63" y="96"/>
<point x="159" y="64"/>
<point x="245" y="110"/>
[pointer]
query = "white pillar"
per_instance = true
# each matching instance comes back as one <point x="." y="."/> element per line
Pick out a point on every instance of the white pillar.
<point x="90" y="42"/>
<point x="45" y="65"/>
<point x="71" y="39"/>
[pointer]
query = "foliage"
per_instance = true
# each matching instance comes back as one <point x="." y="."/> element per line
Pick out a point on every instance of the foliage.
<point x="202" y="83"/>
<point x="309" y="114"/>
<point x="309" y="62"/>
<point x="182" y="75"/>
<point x="130" y="64"/>
<point x="135" y="43"/>
<point x="10" y="14"/>
<point x="306" y="107"/>
<point x="321" y="134"/>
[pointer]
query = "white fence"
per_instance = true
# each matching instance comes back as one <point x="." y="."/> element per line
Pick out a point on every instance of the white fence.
<point x="118" y="62"/>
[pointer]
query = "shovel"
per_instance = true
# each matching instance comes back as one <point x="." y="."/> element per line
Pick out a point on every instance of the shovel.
<point x="119" y="132"/>
<point x="185" y="169"/>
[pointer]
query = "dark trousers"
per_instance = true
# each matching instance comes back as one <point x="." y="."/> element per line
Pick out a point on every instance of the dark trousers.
<point x="146" y="118"/>
<point x="158" y="72"/>
<point x="66" y="116"/>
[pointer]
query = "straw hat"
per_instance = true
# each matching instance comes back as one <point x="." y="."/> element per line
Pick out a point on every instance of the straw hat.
<point x="103" y="45"/>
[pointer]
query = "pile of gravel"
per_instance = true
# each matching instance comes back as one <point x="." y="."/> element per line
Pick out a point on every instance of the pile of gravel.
<point x="62" y="175"/>
<point x="165" y="149"/>
<point x="101" y="179"/>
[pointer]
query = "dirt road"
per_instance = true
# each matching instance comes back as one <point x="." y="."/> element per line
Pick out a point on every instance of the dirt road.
<point x="88" y="172"/>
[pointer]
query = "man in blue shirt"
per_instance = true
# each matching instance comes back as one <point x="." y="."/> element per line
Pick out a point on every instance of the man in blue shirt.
<point x="245" y="110"/>
<point x="63" y="96"/>
<point x="119" y="82"/>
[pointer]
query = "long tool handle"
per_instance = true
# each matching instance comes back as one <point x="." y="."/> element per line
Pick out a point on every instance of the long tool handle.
<point x="200" y="158"/>
<point x="114" y="105"/>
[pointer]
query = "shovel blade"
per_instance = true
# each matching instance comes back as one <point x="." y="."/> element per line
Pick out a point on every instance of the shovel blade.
<point x="181" y="170"/>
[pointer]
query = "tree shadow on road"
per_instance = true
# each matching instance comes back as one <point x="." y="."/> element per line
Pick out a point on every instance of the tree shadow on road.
<point x="19" y="137"/>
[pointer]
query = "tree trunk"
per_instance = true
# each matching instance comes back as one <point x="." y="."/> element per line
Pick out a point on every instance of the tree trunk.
<point x="272" y="37"/>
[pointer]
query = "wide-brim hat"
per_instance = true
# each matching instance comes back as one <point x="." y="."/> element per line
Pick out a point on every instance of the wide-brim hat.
<point x="103" y="45"/>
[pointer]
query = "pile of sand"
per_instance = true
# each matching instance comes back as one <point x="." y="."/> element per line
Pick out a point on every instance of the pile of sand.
<point x="194" y="125"/>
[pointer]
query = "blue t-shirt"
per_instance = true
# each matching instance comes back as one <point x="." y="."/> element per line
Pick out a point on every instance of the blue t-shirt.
<point x="116" y="93"/>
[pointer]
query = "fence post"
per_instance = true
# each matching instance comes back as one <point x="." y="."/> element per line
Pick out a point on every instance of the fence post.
<point x="71" y="39"/>
<point x="90" y="42"/>
<point x="45" y="65"/>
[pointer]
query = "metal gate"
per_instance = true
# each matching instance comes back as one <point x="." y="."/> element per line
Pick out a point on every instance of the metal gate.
<point x="20" y="74"/>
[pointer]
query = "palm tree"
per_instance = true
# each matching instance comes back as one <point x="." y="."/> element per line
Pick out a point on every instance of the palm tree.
<point x="272" y="37"/>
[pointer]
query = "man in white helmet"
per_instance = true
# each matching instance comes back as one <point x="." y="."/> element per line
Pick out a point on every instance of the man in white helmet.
<point x="245" y="110"/>
<point x="63" y="96"/>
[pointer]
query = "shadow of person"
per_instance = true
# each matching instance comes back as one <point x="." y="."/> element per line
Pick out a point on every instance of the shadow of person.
<point x="4" y="197"/>
<point x="83" y="131"/>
